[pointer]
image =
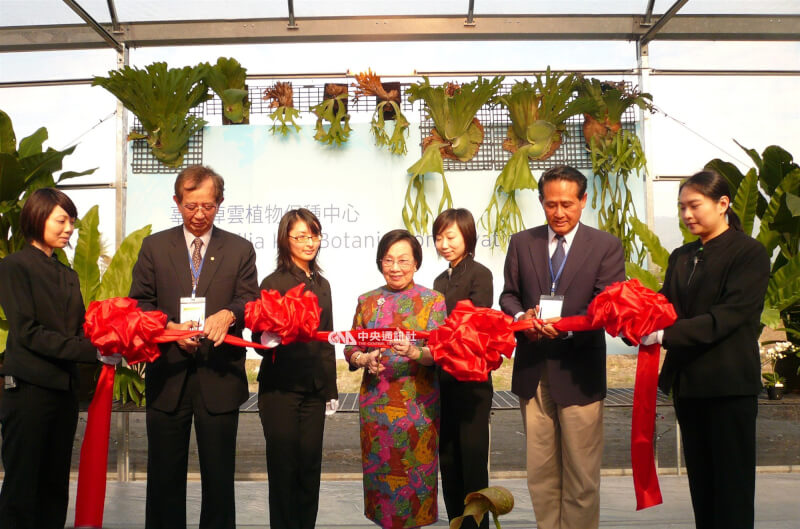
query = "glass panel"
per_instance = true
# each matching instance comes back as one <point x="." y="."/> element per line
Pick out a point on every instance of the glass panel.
<point x="48" y="65"/>
<point x="725" y="55"/>
<point x="71" y="114"/>
<point x="104" y="198"/>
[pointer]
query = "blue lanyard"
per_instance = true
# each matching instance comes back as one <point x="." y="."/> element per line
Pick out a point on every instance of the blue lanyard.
<point x="195" y="273"/>
<point x="557" y="276"/>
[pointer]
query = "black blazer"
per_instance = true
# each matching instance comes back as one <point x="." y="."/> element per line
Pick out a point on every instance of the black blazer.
<point x="576" y="367"/>
<point x="42" y="301"/>
<point x="303" y="367"/>
<point x="712" y="350"/>
<point x="228" y="280"/>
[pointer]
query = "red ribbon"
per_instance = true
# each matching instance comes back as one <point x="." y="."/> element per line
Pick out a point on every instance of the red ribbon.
<point x="293" y="316"/>
<point x="114" y="326"/>
<point x="632" y="310"/>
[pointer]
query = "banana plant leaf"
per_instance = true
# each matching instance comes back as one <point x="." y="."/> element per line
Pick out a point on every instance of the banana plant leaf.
<point x="116" y="281"/>
<point x="8" y="140"/>
<point x="3" y="332"/>
<point x="334" y="111"/>
<point x="87" y="255"/>
<point x="128" y="385"/>
<point x="745" y="203"/>
<point x="227" y="79"/>
<point x="646" y="277"/>
<point x="161" y="98"/>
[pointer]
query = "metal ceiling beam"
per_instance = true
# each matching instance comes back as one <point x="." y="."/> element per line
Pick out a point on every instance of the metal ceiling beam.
<point x="666" y="17"/>
<point x="100" y="30"/>
<point x="112" y="12"/>
<point x="648" y="16"/>
<point x="375" y="29"/>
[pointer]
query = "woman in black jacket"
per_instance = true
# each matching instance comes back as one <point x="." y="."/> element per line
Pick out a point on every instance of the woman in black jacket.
<point x="712" y="367"/>
<point x="295" y="383"/>
<point x="42" y="301"/>
<point x="465" y="406"/>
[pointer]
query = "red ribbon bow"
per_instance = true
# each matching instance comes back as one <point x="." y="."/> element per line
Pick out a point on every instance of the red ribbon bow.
<point x="630" y="309"/>
<point x="472" y="341"/>
<point x="293" y="316"/>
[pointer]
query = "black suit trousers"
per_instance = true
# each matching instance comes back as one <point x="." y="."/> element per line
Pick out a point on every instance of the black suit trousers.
<point x="293" y="424"/>
<point x="38" y="432"/>
<point x="464" y="443"/>
<point x="719" y="443"/>
<point x="168" y="457"/>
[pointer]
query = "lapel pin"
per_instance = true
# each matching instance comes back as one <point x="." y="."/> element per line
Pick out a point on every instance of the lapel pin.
<point x="212" y="258"/>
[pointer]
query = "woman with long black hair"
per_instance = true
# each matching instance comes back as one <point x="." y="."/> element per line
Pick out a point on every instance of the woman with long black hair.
<point x="712" y="367"/>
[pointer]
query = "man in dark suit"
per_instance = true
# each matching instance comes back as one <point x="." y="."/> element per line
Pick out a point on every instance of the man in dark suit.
<point x="192" y="272"/>
<point x="561" y="378"/>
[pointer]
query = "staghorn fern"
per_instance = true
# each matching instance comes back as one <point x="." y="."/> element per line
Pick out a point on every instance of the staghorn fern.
<point x="281" y="98"/>
<point x="161" y="98"/>
<point x="227" y="79"/>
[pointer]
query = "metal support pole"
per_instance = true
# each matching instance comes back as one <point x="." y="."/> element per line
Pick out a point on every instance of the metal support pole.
<point x="121" y="178"/>
<point x="643" y="63"/>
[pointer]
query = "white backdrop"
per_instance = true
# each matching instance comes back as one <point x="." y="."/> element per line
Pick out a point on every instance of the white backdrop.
<point x="356" y="191"/>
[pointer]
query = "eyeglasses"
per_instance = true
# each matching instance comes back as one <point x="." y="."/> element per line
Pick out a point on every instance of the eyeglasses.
<point x="404" y="264"/>
<point x="305" y="238"/>
<point x="207" y="208"/>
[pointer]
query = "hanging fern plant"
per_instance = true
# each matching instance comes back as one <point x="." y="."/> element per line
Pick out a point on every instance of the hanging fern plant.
<point x="333" y="109"/>
<point x="281" y="98"/>
<point x="161" y="98"/>
<point x="538" y="113"/>
<point x="457" y="134"/>
<point x="388" y="108"/>
<point x="227" y="79"/>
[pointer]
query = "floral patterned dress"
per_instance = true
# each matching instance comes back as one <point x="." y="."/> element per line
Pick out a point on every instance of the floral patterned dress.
<point x="399" y="411"/>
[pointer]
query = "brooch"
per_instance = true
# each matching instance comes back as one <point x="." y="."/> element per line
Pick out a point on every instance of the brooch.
<point x="381" y="301"/>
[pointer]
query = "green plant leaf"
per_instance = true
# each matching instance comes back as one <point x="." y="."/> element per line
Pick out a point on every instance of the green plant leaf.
<point x="771" y="317"/>
<point x="728" y="171"/>
<point x="87" y="254"/>
<point x="651" y="242"/>
<point x="33" y="143"/>
<point x="647" y="278"/>
<point x="793" y="203"/>
<point x="8" y="140"/>
<point x="746" y="200"/>
<point x="128" y="384"/>
<point x="753" y="156"/>
<point x="116" y="281"/>
<point x="783" y="289"/>
<point x="3" y="331"/>
<point x="777" y="163"/>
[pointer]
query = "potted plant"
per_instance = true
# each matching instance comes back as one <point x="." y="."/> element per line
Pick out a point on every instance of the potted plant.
<point x="388" y="108"/>
<point x="333" y="109"/>
<point x="538" y="113"/>
<point x="457" y="134"/>
<point x="772" y="352"/>
<point x="281" y="98"/>
<point x="227" y="79"/>
<point x="161" y="98"/>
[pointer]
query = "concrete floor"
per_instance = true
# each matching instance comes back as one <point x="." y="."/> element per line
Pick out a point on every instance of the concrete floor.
<point x="777" y="505"/>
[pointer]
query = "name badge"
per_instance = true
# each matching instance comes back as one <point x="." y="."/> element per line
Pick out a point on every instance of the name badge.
<point x="550" y="306"/>
<point x="193" y="309"/>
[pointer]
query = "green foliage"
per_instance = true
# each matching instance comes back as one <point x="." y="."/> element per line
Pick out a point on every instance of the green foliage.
<point x="503" y="217"/>
<point x="286" y="117"/>
<point x="161" y="98"/>
<point x="659" y="257"/>
<point x="397" y="141"/>
<point x="21" y="173"/>
<point x="129" y="384"/>
<point x="117" y="278"/>
<point x="416" y="212"/>
<point x="613" y="163"/>
<point x="456" y="133"/>
<point x="772" y="379"/>
<point x="334" y="111"/>
<point x="227" y="79"/>
<point x="608" y="100"/>
<point x="87" y="255"/>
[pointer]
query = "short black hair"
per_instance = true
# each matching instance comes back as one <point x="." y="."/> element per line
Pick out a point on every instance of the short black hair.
<point x="395" y="236"/>
<point x="37" y="209"/>
<point x="190" y="179"/>
<point x="465" y="223"/>
<point x="563" y="172"/>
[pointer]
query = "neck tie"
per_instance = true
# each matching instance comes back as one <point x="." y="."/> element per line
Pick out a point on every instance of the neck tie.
<point x="558" y="255"/>
<point x="196" y="259"/>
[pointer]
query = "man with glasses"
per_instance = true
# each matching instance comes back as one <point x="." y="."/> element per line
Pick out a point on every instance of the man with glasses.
<point x="201" y="277"/>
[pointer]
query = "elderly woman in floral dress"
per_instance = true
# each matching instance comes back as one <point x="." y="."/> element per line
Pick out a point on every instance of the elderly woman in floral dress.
<point x="399" y="397"/>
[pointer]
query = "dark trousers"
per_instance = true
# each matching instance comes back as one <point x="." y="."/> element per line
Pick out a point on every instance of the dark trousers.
<point x="38" y="431"/>
<point x="719" y="443"/>
<point x="293" y="423"/>
<point x="168" y="457"/>
<point x="464" y="443"/>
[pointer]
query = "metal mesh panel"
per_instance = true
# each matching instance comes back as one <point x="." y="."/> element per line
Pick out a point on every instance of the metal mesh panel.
<point x="496" y="121"/>
<point x="143" y="160"/>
